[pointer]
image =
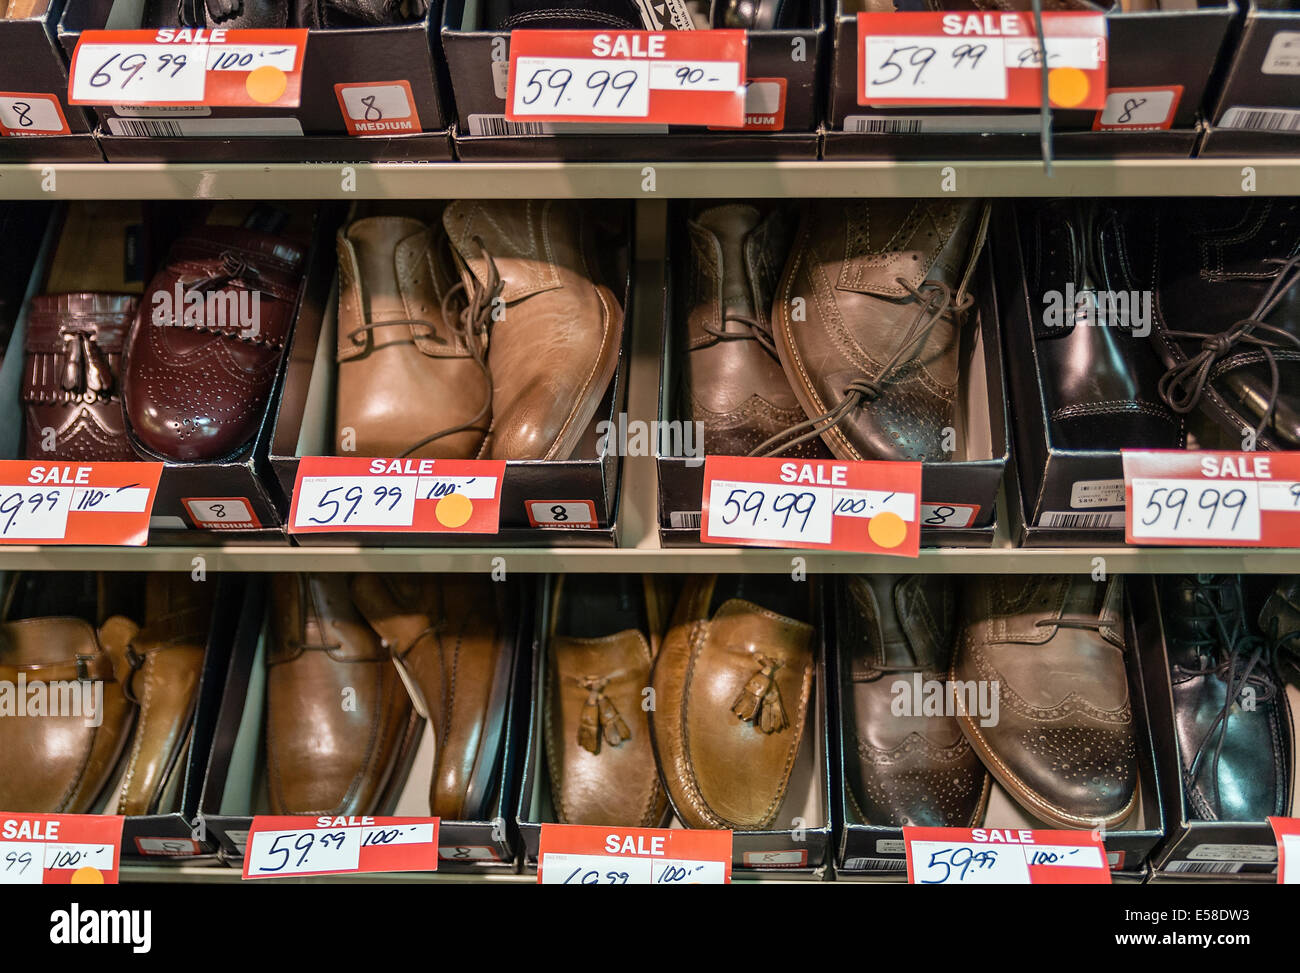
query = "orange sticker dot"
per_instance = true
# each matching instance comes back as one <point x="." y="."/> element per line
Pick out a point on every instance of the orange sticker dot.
<point x="1067" y="87"/>
<point x="887" y="529"/>
<point x="266" y="84"/>
<point x="454" y="510"/>
<point x="87" y="875"/>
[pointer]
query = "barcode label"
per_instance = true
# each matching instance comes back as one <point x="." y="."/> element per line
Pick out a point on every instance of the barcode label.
<point x="1206" y="868"/>
<point x="875" y="864"/>
<point x="685" y="518"/>
<point x="882" y="126"/>
<point x="152" y="128"/>
<point x="1262" y="119"/>
<point x="912" y="124"/>
<point x="497" y="125"/>
<point x="1100" y="520"/>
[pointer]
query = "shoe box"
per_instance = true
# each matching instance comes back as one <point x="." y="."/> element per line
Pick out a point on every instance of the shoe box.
<point x="1229" y="851"/>
<point x="1163" y="51"/>
<point x="304" y="426"/>
<point x="1258" y="107"/>
<point x="783" y="101"/>
<point x="22" y="227"/>
<point x="182" y="511"/>
<point x="397" y="63"/>
<point x="799" y="843"/>
<point x="36" y="121"/>
<point x="959" y="496"/>
<point x="229" y="803"/>
<point x="877" y="852"/>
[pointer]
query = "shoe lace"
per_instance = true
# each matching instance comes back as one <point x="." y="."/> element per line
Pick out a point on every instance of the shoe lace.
<point x="1183" y="385"/>
<point x="231" y="267"/>
<point x="935" y="301"/>
<point x="1235" y="657"/>
<point x="752" y="329"/>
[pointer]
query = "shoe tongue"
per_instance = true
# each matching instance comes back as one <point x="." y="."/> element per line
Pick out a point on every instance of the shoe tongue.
<point x="375" y="243"/>
<point x="731" y="225"/>
<point x="1281" y="611"/>
<point x="1190" y="618"/>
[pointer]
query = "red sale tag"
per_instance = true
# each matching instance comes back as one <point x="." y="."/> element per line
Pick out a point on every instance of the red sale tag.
<point x="348" y="493"/>
<point x="178" y="66"/>
<point x="576" y="854"/>
<point x="681" y="77"/>
<point x="1004" y="856"/>
<point x="1197" y="498"/>
<point x="76" y="503"/>
<point x="60" y="849"/>
<point x="871" y="507"/>
<point x="1287" y="832"/>
<point x="981" y="58"/>
<point x="329" y="845"/>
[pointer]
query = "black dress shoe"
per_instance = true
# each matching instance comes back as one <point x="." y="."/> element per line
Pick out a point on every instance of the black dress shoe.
<point x="1280" y="621"/>
<point x="1228" y="314"/>
<point x="1230" y="711"/>
<point x="231" y="14"/>
<point x="904" y="764"/>
<point x="564" y="15"/>
<point x="1091" y="330"/>
<point x="359" y="13"/>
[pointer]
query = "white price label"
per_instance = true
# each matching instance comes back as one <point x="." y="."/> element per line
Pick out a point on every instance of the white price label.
<point x="1148" y="109"/>
<point x="968" y="863"/>
<point x="33" y="511"/>
<point x="868" y="503"/>
<point x="366" y="501"/>
<point x="111" y="500"/>
<point x="972" y="68"/>
<point x="1062" y="52"/>
<point x="1195" y="509"/>
<point x="471" y="487"/>
<point x="564" y="869"/>
<point x="311" y="850"/>
<point x="582" y="86"/>
<point x="765" y="511"/>
<point x="31" y="113"/>
<point x="140" y="73"/>
<point x="562" y="513"/>
<point x="249" y="57"/>
<point x="21" y="863"/>
<point x="72" y="856"/>
<point x="1291" y="861"/>
<point x="1279" y="495"/>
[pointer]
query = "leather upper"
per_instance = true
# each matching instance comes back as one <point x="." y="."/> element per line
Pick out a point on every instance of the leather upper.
<point x="733" y="684"/>
<point x="563" y="15"/>
<point x="196" y="383"/>
<point x="397" y="269"/>
<point x="904" y="766"/>
<point x="1064" y="745"/>
<point x="1253" y="744"/>
<point x="338" y="717"/>
<point x="735" y="385"/>
<point x="854" y="271"/>
<point x="72" y="376"/>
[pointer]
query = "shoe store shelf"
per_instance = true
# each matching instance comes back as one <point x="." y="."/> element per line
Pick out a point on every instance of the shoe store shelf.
<point x="538" y="180"/>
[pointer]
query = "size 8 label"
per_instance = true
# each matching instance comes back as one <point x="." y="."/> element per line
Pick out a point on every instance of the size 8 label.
<point x="1283" y="55"/>
<point x="764" y="105"/>
<point x="378" y="107"/>
<point x="948" y="514"/>
<point x="337" y="493"/>
<point x="994" y="856"/>
<point x="297" y="845"/>
<point x="68" y="503"/>
<point x="871" y="507"/>
<point x="775" y="859"/>
<point x="679" y="77"/>
<point x="468" y="853"/>
<point x="1146" y="109"/>
<point x="222" y="513"/>
<point x="561" y="513"/>
<point x="1177" y="497"/>
<point x="586" y="855"/>
<point x="31" y="114"/>
<point x="60" y="849"/>
<point x="168" y="847"/>
<point x="239" y="68"/>
<point x="982" y="58"/>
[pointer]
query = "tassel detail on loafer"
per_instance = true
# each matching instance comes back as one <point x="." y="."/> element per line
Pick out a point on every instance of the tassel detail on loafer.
<point x="760" y="701"/>
<point x="599" y="717"/>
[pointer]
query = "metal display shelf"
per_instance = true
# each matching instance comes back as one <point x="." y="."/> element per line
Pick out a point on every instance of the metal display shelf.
<point x="611" y="180"/>
<point x="225" y="875"/>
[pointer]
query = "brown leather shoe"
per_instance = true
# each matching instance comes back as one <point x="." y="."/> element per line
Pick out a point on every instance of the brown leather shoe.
<point x="733" y="382"/>
<point x="166" y="658"/>
<point x="1063" y="743"/>
<point x="338" y="720"/>
<point x="602" y="641"/>
<point x="72" y="360"/>
<point x="445" y="633"/>
<point x="553" y="331"/>
<point x="732" y="689"/>
<point x="397" y="347"/>
<point x="196" y="384"/>
<point x="58" y="764"/>
<point x="905" y="765"/>
<point x="885" y="287"/>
